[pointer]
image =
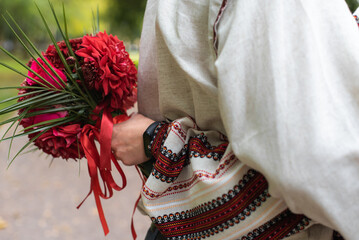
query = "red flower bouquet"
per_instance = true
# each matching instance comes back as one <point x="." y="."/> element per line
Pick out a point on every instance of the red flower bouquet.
<point x="70" y="98"/>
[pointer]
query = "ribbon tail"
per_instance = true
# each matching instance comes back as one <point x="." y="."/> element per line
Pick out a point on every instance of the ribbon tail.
<point x="101" y="163"/>
<point x="93" y="159"/>
<point x="100" y="211"/>
<point x="105" y="139"/>
<point x="84" y="199"/>
<point x="141" y="175"/>
<point x="107" y="183"/>
<point x="122" y="174"/>
<point x="133" y="230"/>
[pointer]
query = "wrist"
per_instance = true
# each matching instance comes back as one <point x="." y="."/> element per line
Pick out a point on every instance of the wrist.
<point x="148" y="136"/>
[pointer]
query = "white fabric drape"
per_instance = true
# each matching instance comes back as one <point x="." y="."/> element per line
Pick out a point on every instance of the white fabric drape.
<point x="284" y="89"/>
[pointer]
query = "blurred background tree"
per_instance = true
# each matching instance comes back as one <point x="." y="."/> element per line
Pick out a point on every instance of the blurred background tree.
<point x="23" y="9"/>
<point x="121" y="17"/>
<point x="125" y="18"/>
<point x="353" y="4"/>
<point x="79" y="16"/>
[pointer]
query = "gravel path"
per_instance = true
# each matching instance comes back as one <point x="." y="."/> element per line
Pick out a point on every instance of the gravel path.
<point x="39" y="202"/>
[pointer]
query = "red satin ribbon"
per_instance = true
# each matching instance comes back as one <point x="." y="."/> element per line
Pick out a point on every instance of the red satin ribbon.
<point x="105" y="139"/>
<point x="99" y="166"/>
<point x="133" y="230"/>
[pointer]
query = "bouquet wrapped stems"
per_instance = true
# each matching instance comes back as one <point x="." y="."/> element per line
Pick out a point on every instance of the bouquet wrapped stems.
<point x="72" y="95"/>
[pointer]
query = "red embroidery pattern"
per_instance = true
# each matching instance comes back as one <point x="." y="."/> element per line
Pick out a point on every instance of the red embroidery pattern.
<point x="169" y="165"/>
<point x="228" y="210"/>
<point x="220" y="13"/>
<point x="177" y="126"/>
<point x="188" y="184"/>
<point x="356" y="19"/>
<point x="232" y="207"/>
<point x="284" y="225"/>
<point x="223" y="212"/>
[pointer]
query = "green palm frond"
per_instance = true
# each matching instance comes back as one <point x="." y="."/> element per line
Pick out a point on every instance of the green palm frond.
<point x="25" y="146"/>
<point x="36" y="50"/>
<point x="44" y="97"/>
<point x="67" y="42"/>
<point x="96" y="21"/>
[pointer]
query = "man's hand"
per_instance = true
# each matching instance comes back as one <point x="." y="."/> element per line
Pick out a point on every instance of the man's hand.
<point x="127" y="140"/>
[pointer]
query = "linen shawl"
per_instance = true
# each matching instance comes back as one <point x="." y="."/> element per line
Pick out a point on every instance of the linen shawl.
<point x="282" y="84"/>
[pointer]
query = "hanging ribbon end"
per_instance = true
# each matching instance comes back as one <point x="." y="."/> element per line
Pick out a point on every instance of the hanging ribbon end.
<point x="107" y="231"/>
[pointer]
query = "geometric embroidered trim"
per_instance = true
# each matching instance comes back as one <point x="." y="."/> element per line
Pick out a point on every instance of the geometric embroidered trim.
<point x="169" y="165"/>
<point x="284" y="225"/>
<point x="215" y="26"/>
<point x="184" y="186"/>
<point x="229" y="210"/>
<point x="223" y="212"/>
<point x="215" y="203"/>
<point x="219" y="214"/>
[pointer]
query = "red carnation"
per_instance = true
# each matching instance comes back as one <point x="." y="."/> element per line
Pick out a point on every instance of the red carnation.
<point x="50" y="81"/>
<point x="24" y="91"/>
<point x="61" y="141"/>
<point x="53" y="56"/>
<point x="106" y="56"/>
<point x="27" y="122"/>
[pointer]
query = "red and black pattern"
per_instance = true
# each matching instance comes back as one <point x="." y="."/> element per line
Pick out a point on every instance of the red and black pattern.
<point x="200" y="147"/>
<point x="187" y="185"/>
<point x="219" y="214"/>
<point x="229" y="210"/>
<point x="159" y="135"/>
<point x="356" y="19"/>
<point x="169" y="164"/>
<point x="223" y="212"/>
<point x="282" y="226"/>
<point x="216" y="23"/>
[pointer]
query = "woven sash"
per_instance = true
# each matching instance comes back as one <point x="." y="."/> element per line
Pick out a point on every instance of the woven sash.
<point x="198" y="189"/>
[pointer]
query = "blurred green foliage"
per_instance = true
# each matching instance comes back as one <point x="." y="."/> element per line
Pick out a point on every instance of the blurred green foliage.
<point x="79" y="16"/>
<point x="120" y="17"/>
<point x="353" y="4"/>
<point x="25" y="9"/>
<point x="8" y="79"/>
<point x="125" y="17"/>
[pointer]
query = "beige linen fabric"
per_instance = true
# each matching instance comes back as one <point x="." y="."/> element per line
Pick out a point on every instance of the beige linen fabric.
<point x="284" y="89"/>
<point x="212" y="181"/>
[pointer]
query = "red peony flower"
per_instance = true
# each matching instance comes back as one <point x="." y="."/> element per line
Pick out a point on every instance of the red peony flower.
<point x="23" y="91"/>
<point x="105" y="56"/>
<point x="61" y="141"/>
<point x="55" y="81"/>
<point x="27" y="122"/>
<point x="53" y="56"/>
